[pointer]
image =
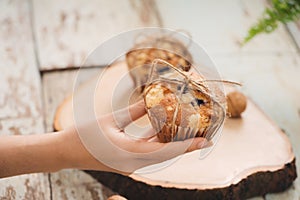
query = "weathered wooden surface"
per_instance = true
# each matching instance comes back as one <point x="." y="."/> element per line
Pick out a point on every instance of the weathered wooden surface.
<point x="67" y="31"/>
<point x="20" y="98"/>
<point x="75" y="184"/>
<point x="56" y="86"/>
<point x="294" y="29"/>
<point x="220" y="26"/>
<point x="68" y="184"/>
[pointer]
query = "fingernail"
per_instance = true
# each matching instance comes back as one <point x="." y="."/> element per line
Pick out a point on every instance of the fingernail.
<point x="204" y="144"/>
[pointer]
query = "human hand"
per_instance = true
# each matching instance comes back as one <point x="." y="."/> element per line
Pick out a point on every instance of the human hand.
<point x="107" y="144"/>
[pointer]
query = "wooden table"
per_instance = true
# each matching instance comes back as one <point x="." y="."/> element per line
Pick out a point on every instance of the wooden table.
<point x="44" y="42"/>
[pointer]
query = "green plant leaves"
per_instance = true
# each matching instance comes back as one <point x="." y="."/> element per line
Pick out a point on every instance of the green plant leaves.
<point x="282" y="11"/>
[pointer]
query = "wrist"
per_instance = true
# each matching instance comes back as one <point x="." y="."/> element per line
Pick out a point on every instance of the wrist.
<point x="73" y="151"/>
<point x="47" y="152"/>
<point x="77" y="156"/>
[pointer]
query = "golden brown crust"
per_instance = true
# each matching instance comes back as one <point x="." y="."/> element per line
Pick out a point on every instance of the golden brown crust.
<point x="138" y="57"/>
<point x="193" y="112"/>
<point x="165" y="48"/>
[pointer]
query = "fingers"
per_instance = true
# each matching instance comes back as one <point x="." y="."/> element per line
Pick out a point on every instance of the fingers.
<point x="147" y="135"/>
<point x="199" y="143"/>
<point x="127" y="115"/>
<point x="174" y="149"/>
<point x="148" y="153"/>
<point x="185" y="146"/>
<point x="170" y="149"/>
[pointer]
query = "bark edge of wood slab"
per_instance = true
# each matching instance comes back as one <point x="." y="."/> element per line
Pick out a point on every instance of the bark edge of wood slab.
<point x="256" y="184"/>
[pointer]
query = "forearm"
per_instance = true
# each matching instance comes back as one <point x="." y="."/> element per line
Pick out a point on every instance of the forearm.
<point x="30" y="153"/>
<point x="49" y="152"/>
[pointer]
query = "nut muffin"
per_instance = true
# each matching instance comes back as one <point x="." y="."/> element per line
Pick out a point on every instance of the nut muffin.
<point x="179" y="112"/>
<point x="140" y="57"/>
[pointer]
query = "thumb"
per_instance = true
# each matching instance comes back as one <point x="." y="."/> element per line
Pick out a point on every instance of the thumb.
<point x="129" y="114"/>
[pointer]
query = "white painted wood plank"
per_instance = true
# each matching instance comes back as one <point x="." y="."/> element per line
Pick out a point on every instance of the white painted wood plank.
<point x="76" y="184"/>
<point x="68" y="184"/>
<point x="272" y="81"/>
<point x="220" y="26"/>
<point x="19" y="78"/>
<point x="66" y="31"/>
<point x="294" y="28"/>
<point x="20" y="98"/>
<point x="21" y="126"/>
<point x="32" y="186"/>
<point x="57" y="86"/>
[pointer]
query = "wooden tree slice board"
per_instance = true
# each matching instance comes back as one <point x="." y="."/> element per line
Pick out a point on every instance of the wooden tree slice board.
<point x="253" y="156"/>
